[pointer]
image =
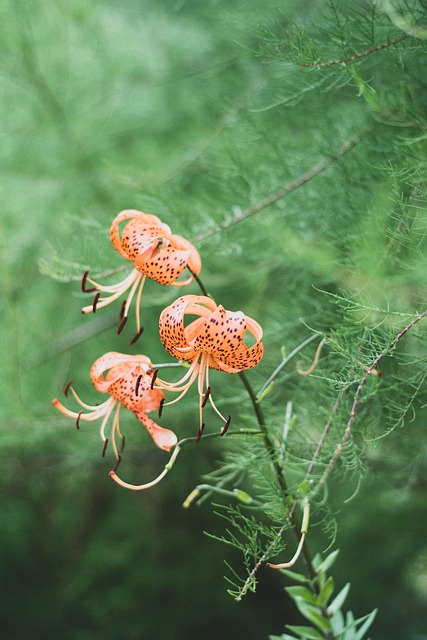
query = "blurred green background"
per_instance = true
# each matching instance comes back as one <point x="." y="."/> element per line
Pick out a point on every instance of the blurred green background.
<point x="187" y="109"/>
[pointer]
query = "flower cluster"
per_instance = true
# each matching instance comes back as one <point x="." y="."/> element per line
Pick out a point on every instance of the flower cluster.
<point x="215" y="339"/>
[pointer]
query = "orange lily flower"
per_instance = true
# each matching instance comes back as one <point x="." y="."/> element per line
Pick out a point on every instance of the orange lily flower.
<point x="128" y="380"/>
<point x="156" y="252"/>
<point x="215" y="340"/>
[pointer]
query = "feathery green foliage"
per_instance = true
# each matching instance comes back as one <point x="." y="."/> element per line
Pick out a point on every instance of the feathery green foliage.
<point x="287" y="142"/>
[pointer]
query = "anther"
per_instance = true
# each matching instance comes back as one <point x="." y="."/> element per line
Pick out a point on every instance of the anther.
<point x="137" y="335"/>
<point x="122" y="324"/>
<point x="122" y="310"/>
<point x="78" y="419"/>
<point x="117" y="464"/>
<point x="104" y="448"/>
<point x="138" y="382"/>
<point x="95" y="301"/>
<point x="206" y="396"/>
<point x="160" y="411"/>
<point x="200" y="431"/>
<point x="225" y="427"/>
<point x="153" y="379"/>
<point x="67" y="388"/>
<point x="86" y="289"/>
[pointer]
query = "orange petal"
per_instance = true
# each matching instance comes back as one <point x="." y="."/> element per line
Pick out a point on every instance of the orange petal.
<point x="142" y="221"/>
<point x="171" y="326"/>
<point x="244" y="357"/>
<point x="164" y="266"/>
<point x="163" y="438"/>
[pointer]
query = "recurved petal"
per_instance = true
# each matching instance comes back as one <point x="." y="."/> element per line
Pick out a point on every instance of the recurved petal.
<point x="222" y="333"/>
<point x="194" y="260"/>
<point x="244" y="357"/>
<point x="142" y="219"/>
<point x="164" y="266"/>
<point x="116" y="365"/>
<point x="163" y="438"/>
<point x="171" y="325"/>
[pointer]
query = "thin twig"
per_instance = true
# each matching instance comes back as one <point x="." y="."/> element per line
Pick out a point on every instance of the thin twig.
<point x="369" y="370"/>
<point x="289" y="188"/>
<point x="357" y="56"/>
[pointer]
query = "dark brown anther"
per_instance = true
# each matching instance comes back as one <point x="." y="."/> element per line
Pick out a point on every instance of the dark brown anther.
<point x="86" y="289"/>
<point x="200" y="431"/>
<point x="67" y="388"/>
<point x="95" y="301"/>
<point x="122" y="324"/>
<point x="137" y="335"/>
<point x="138" y="382"/>
<point x="153" y="379"/>
<point x="122" y="446"/>
<point x="225" y="427"/>
<point x="117" y="464"/>
<point x="78" y="419"/>
<point x="104" y="448"/>
<point x="122" y="310"/>
<point x="162" y="402"/>
<point x="206" y="396"/>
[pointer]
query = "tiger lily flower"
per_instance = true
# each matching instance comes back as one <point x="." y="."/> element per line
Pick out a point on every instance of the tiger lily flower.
<point x="128" y="380"/>
<point x="214" y="340"/>
<point x="156" y="252"/>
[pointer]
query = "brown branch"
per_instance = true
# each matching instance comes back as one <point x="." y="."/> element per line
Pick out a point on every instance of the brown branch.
<point x="369" y="371"/>
<point x="357" y="56"/>
<point x="289" y="188"/>
<point x="372" y="367"/>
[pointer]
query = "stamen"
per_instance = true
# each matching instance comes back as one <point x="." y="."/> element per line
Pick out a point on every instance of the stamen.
<point x="95" y="301"/>
<point x="225" y="427"/>
<point x="86" y="289"/>
<point x="137" y="335"/>
<point x="122" y="446"/>
<point x="67" y="388"/>
<point x="153" y="379"/>
<point x="138" y="382"/>
<point x="122" y="310"/>
<point x="104" y="448"/>
<point x="206" y="396"/>
<point x="200" y="431"/>
<point x="122" y="324"/>
<point x="160" y="411"/>
<point x="78" y="419"/>
<point x="117" y="465"/>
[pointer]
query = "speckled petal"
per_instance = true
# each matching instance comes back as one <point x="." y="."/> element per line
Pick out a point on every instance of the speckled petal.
<point x="115" y="364"/>
<point x="164" y="266"/>
<point x="171" y="327"/>
<point x="143" y="220"/>
<point x="244" y="357"/>
<point x="222" y="333"/>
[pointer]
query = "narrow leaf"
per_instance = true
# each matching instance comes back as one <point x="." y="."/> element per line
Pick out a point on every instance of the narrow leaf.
<point x="365" y="626"/>
<point x="325" y="592"/>
<point x="308" y="633"/>
<point x="339" y="600"/>
<point x="323" y="565"/>
<point x="302" y="593"/>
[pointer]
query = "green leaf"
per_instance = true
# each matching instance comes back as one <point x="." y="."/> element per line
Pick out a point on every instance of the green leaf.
<point x="323" y="565"/>
<point x="325" y="592"/>
<point x="314" y="615"/>
<point x="365" y="626"/>
<point x="308" y="633"/>
<point x="301" y="593"/>
<point x="339" y="600"/>
<point x="349" y="630"/>
<point x="298" y="577"/>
